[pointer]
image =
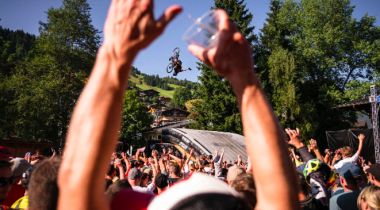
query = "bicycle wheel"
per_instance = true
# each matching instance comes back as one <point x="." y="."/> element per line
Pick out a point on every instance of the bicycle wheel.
<point x="176" y="52"/>
<point x="169" y="68"/>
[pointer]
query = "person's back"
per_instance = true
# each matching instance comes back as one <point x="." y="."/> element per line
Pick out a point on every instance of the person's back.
<point x="43" y="189"/>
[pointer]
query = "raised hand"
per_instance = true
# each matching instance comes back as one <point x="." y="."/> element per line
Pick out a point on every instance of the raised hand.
<point x="130" y="26"/>
<point x="222" y="149"/>
<point x="361" y="162"/>
<point x="170" y="151"/>
<point x="123" y="155"/>
<point x="313" y="144"/>
<point x="151" y="161"/>
<point x="295" y="138"/>
<point x="154" y="153"/>
<point x="238" y="69"/>
<point x="118" y="163"/>
<point x="361" y="137"/>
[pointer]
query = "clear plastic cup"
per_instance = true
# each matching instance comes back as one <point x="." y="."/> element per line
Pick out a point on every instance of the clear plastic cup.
<point x="204" y="32"/>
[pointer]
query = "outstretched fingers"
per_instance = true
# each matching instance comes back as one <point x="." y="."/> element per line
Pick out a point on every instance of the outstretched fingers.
<point x="169" y="14"/>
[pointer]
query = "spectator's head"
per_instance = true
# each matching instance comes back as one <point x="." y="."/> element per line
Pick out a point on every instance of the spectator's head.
<point x="161" y="182"/>
<point x="233" y="172"/>
<point x="6" y="178"/>
<point x="303" y="187"/>
<point x="369" y="198"/>
<point x="111" y="171"/>
<point x="350" y="176"/>
<point x="108" y="183"/>
<point x="117" y="187"/>
<point x="25" y="178"/>
<point x="209" y="157"/>
<point x="200" y="191"/>
<point x="347" y="152"/>
<point x="174" y="169"/>
<point x="374" y="174"/>
<point x="245" y="185"/>
<point x="43" y="189"/>
<point x="5" y="153"/>
<point x="217" y="158"/>
<point x="134" y="177"/>
<point x="19" y="166"/>
<point x="144" y="180"/>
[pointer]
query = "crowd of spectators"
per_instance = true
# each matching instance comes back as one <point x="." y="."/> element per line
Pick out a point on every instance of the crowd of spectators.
<point x="89" y="175"/>
<point x="323" y="181"/>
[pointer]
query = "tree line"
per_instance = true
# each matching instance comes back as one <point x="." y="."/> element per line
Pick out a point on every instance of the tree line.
<point x="310" y="56"/>
<point x="157" y="81"/>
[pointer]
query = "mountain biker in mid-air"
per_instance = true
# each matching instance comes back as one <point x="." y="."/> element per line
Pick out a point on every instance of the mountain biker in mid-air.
<point x="175" y="63"/>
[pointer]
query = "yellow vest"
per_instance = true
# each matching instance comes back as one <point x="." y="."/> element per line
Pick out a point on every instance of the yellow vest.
<point x="21" y="203"/>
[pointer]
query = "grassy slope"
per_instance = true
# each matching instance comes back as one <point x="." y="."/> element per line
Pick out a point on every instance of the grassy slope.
<point x="144" y="86"/>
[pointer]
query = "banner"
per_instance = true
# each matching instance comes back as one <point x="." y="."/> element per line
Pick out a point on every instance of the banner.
<point x="339" y="139"/>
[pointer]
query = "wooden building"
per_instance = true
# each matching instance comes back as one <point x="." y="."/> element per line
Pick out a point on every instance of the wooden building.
<point x="173" y="115"/>
<point x="164" y="100"/>
<point x="19" y="147"/>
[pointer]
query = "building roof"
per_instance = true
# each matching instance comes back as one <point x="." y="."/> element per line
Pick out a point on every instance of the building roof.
<point x="172" y="125"/>
<point x="205" y="142"/>
<point x="150" y="90"/>
<point x="357" y="104"/>
<point x="175" y="109"/>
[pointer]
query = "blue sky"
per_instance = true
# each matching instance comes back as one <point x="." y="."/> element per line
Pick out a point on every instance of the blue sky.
<point x="25" y="14"/>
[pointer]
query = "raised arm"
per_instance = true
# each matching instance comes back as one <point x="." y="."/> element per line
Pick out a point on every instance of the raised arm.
<point x="191" y="154"/>
<point x="94" y="126"/>
<point x="121" y="169"/>
<point x="126" y="160"/>
<point x="361" y="138"/>
<point x="221" y="156"/>
<point x="263" y="135"/>
<point x="314" y="147"/>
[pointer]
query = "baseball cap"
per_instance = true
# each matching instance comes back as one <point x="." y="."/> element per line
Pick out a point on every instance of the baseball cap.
<point x="134" y="173"/>
<point x="374" y="170"/>
<point x="26" y="176"/>
<point x="29" y="153"/>
<point x="233" y="172"/>
<point x="349" y="171"/>
<point x="161" y="181"/>
<point x="19" y="166"/>
<point x="200" y="191"/>
<point x="5" y="152"/>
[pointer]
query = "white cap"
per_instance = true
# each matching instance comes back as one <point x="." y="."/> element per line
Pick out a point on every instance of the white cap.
<point x="198" y="184"/>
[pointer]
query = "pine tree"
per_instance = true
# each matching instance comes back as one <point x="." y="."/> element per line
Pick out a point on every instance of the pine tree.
<point x="48" y="85"/>
<point x="218" y="110"/>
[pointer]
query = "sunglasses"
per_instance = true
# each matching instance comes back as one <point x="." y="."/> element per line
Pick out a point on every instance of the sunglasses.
<point x="3" y="181"/>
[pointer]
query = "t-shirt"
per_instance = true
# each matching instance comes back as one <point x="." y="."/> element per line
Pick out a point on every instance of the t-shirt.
<point x="21" y="203"/>
<point x="16" y="193"/>
<point x="346" y="200"/>
<point x="147" y="189"/>
<point x="218" y="168"/>
<point x="171" y="181"/>
<point x="352" y="159"/>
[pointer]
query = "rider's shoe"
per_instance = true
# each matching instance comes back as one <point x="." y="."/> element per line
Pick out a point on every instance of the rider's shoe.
<point x="190" y="69"/>
<point x="175" y="74"/>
